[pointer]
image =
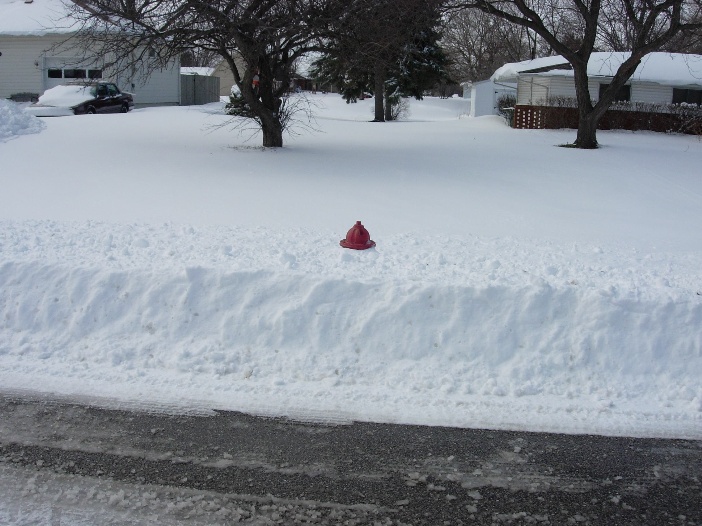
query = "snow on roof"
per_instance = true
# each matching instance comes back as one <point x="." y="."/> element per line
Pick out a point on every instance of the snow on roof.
<point x="39" y="17"/>
<point x="672" y="69"/>
<point x="511" y="71"/>
<point x="192" y="70"/>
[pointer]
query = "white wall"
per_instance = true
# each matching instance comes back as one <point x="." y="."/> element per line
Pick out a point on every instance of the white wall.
<point x="565" y="87"/>
<point x="484" y="95"/>
<point x="22" y="64"/>
<point x="532" y="89"/>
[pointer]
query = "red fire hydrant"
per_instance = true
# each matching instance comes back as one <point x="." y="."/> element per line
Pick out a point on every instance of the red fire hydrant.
<point x="357" y="238"/>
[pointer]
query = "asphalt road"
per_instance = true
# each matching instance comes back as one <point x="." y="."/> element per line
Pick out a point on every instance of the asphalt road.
<point x="64" y="464"/>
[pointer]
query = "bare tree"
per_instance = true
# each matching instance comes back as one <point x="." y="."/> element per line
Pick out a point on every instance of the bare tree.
<point x="572" y="29"/>
<point x="689" y="41"/>
<point x="266" y="35"/>
<point x="478" y="43"/>
<point x="199" y="58"/>
<point x="618" y="31"/>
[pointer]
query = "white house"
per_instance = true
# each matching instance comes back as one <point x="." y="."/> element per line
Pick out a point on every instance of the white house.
<point x="661" y="78"/>
<point x="36" y="54"/>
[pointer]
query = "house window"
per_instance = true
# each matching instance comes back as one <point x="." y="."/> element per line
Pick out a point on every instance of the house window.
<point x="56" y="73"/>
<point x="74" y="73"/>
<point x="623" y="95"/>
<point x="687" y="96"/>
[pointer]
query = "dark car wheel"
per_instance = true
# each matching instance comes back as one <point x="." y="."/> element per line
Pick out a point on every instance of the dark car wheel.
<point x="124" y="108"/>
<point x="91" y="111"/>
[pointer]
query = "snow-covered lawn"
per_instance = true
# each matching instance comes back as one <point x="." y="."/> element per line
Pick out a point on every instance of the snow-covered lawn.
<point x="160" y="260"/>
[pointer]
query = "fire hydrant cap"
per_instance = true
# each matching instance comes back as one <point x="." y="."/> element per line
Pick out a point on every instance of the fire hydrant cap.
<point x="357" y="238"/>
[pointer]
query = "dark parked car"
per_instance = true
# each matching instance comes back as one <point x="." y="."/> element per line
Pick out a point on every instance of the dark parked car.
<point x="78" y="99"/>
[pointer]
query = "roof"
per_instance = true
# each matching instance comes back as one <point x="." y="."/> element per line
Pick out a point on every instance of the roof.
<point x="671" y="69"/>
<point x="38" y="17"/>
<point x="193" y="70"/>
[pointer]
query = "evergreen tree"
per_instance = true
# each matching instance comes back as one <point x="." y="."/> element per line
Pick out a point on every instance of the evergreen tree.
<point x="422" y="66"/>
<point x="388" y="48"/>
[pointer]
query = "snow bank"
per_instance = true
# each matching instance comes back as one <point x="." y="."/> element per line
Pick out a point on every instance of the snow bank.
<point x="14" y="122"/>
<point x="449" y="332"/>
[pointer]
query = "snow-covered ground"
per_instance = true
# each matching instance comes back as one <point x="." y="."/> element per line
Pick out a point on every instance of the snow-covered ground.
<point x="163" y="260"/>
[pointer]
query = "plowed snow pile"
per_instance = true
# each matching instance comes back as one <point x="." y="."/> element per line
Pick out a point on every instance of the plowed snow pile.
<point x="14" y="122"/>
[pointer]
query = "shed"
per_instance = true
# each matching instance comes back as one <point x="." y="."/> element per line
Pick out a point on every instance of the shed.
<point x="198" y="86"/>
<point x="485" y="94"/>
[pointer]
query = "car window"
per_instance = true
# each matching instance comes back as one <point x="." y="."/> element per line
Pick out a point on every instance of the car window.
<point x="94" y="91"/>
<point x="112" y="89"/>
<point x="101" y="91"/>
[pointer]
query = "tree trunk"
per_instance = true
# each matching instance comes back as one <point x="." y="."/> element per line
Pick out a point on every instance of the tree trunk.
<point x="271" y="125"/>
<point x="379" y="92"/>
<point x="267" y="107"/>
<point x="591" y="115"/>
<point x="587" y="131"/>
<point x="388" y="108"/>
<point x="272" y="134"/>
<point x="587" y="117"/>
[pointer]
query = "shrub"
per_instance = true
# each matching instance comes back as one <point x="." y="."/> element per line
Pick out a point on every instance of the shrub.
<point x="399" y="108"/>
<point x="505" y="107"/>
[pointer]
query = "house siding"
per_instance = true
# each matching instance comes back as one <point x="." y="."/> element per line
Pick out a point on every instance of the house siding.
<point x="561" y="87"/>
<point x="22" y="64"/>
<point x="593" y="86"/>
<point x="651" y="93"/>
<point x="535" y="89"/>
<point x="532" y="90"/>
<point x="565" y="87"/>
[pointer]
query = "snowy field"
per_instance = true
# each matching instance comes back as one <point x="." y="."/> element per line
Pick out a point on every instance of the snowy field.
<point x="161" y="261"/>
